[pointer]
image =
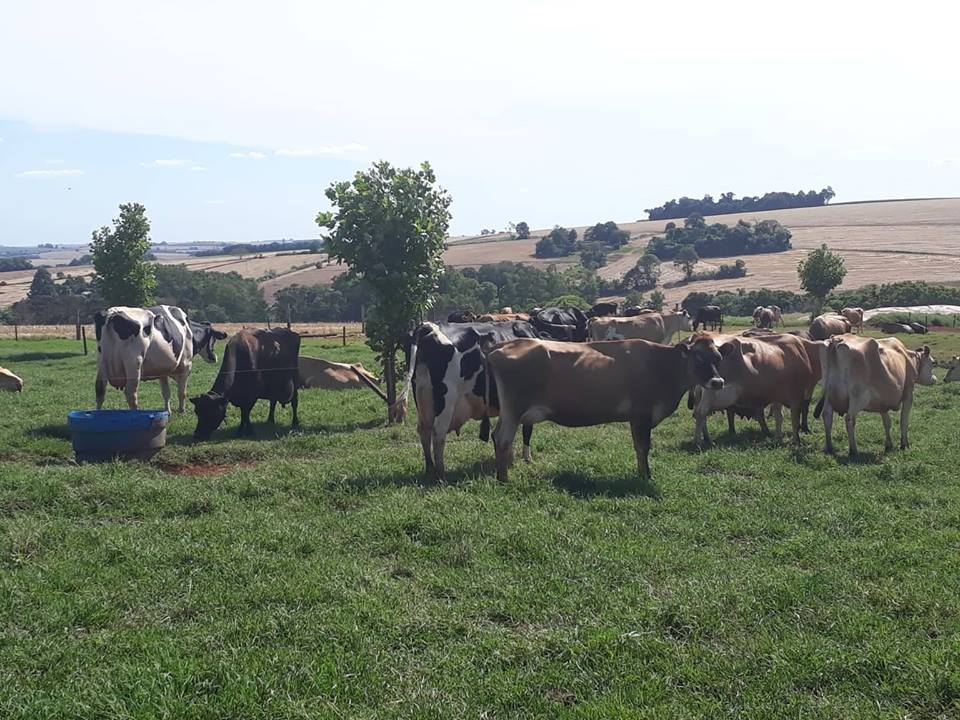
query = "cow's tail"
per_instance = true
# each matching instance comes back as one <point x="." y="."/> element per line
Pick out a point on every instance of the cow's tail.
<point x="411" y="367"/>
<point x="485" y="420"/>
<point x="828" y="352"/>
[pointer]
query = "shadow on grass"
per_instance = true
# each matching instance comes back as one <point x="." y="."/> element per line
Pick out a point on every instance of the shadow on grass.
<point x="585" y="487"/>
<point x="34" y="356"/>
<point x="59" y="431"/>
<point x="862" y="458"/>
<point x="455" y="477"/>
<point x="264" y="431"/>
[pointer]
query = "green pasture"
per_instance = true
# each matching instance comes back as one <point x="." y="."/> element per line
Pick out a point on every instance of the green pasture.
<point x="315" y="575"/>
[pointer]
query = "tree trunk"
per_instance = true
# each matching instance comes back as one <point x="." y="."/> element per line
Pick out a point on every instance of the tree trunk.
<point x="390" y="378"/>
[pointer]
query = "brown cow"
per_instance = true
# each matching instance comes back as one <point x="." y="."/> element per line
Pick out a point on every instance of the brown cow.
<point x="873" y="375"/>
<point x="503" y="317"/>
<point x="766" y="318"/>
<point x="576" y="385"/>
<point x="827" y="325"/>
<point x="854" y="316"/>
<point x="319" y="373"/>
<point x="655" y="327"/>
<point x="776" y="369"/>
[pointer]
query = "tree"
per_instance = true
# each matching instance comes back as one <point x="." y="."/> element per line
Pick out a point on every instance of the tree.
<point x="523" y="230"/>
<point x="122" y="275"/>
<point x="559" y="242"/>
<point x="607" y="234"/>
<point x="42" y="285"/>
<point x="644" y="275"/>
<point x="592" y="256"/>
<point x="389" y="227"/>
<point x="656" y="300"/>
<point x="820" y="272"/>
<point x="687" y="260"/>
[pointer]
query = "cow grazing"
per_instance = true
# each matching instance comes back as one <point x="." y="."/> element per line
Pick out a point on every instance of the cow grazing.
<point x="655" y="327"/>
<point x="204" y="338"/>
<point x="631" y="381"/>
<point x="953" y="370"/>
<point x="776" y="369"/>
<point x="318" y="373"/>
<point x="446" y="372"/>
<point x="257" y="365"/>
<point x="461" y="316"/>
<point x="895" y="328"/>
<point x="827" y="325"/>
<point x="9" y="382"/>
<point x="710" y="315"/>
<point x="135" y="344"/>
<point x="561" y="323"/>
<point x="866" y="374"/>
<point x="604" y="309"/>
<point x="854" y="316"/>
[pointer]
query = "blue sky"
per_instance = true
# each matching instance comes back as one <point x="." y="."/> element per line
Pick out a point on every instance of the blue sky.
<point x="551" y="112"/>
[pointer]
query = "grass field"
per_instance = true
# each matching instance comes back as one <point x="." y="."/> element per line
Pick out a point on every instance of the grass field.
<point x="313" y="574"/>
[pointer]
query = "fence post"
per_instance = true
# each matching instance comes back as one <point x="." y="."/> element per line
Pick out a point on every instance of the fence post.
<point x="78" y="324"/>
<point x="288" y="318"/>
<point x="83" y="333"/>
<point x="16" y="332"/>
<point x="344" y="335"/>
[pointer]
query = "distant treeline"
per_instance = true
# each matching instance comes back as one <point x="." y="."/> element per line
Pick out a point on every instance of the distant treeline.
<point x="15" y="263"/>
<point x="315" y="245"/>
<point x="730" y="203"/>
<point x="719" y="240"/>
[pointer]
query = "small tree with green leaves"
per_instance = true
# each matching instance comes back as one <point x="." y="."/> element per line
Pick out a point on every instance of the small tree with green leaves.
<point x="42" y="285"/>
<point x="389" y="227"/>
<point x="656" y="300"/>
<point x="522" y="230"/>
<point x="820" y="272"/>
<point x="122" y="276"/>
<point x="687" y="260"/>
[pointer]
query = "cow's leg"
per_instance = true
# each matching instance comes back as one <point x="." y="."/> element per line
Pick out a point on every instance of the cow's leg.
<point x="732" y="422"/>
<point x="527" y="434"/>
<point x="439" y="444"/>
<point x="778" y="422"/>
<point x="294" y="402"/>
<point x="181" y="379"/>
<point x="852" y="432"/>
<point x="795" y="411"/>
<point x="804" y="413"/>
<point x="905" y="419"/>
<point x="640" y="429"/>
<point x="132" y="389"/>
<point x="827" y="427"/>
<point x="271" y="416"/>
<point x="246" y="427"/>
<point x="762" y="419"/>
<point x="165" y="392"/>
<point x="503" y="436"/>
<point x="887" y="423"/>
<point x="425" y="430"/>
<point x="100" y="387"/>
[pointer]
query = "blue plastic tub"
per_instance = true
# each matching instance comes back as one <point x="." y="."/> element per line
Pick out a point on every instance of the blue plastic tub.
<point x="100" y="435"/>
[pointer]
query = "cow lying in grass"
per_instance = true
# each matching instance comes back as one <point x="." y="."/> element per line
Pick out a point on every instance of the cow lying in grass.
<point x="10" y="382"/>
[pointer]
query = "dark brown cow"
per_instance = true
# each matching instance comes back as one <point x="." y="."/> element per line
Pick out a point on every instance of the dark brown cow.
<point x="633" y="381"/>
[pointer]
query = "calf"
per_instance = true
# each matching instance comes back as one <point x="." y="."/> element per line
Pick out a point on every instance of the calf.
<point x="10" y="382"/>
<point x="257" y="365"/>
<point x="866" y="374"/>
<point x="655" y="327"/>
<point x="135" y="344"/>
<point x="776" y="369"/>
<point x="446" y="371"/>
<point x="631" y="381"/>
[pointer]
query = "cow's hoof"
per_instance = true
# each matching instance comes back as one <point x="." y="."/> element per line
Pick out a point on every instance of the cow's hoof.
<point x="904" y="446"/>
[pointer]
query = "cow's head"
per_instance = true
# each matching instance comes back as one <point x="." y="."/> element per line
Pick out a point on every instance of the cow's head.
<point x="211" y="409"/>
<point x="702" y="359"/>
<point x="204" y="338"/>
<point x="925" y="374"/>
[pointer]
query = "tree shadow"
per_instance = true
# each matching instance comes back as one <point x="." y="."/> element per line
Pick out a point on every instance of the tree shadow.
<point x="582" y="486"/>
<point x="34" y="356"/>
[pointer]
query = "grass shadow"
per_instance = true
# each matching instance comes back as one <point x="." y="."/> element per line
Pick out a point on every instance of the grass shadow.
<point x="862" y="458"/>
<point x="264" y="431"/>
<point x="58" y="431"/>
<point x="35" y="356"/>
<point x="583" y="486"/>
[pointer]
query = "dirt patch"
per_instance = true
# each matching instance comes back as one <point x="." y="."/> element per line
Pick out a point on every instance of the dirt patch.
<point x="203" y="469"/>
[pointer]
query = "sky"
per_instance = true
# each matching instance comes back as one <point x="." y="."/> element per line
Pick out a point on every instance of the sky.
<point x="227" y="120"/>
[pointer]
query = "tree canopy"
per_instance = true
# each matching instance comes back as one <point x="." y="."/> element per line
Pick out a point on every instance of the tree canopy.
<point x="42" y="285"/>
<point x="820" y="272"/>
<point x="123" y="277"/>
<point x="729" y="203"/>
<point x="719" y="240"/>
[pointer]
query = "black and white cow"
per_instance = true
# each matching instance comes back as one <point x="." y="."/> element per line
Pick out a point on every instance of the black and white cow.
<point x="561" y="323"/>
<point x="135" y="344"/>
<point x="204" y="338"/>
<point x="449" y="380"/>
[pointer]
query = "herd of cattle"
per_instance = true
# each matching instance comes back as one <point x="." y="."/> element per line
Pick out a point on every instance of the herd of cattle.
<point x="558" y="364"/>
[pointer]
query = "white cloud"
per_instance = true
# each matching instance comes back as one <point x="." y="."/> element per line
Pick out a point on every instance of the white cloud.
<point x="253" y="155"/>
<point x="49" y="173"/>
<point x="172" y="162"/>
<point x="197" y="168"/>
<point x="321" y="150"/>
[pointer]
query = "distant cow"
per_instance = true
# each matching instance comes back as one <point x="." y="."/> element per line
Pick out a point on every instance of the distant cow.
<point x="318" y="373"/>
<point x="854" y="316"/>
<point x="918" y="328"/>
<point x="461" y="316"/>
<point x="503" y="317"/>
<point x="631" y="381"/>
<point x="561" y="323"/>
<point x="446" y="371"/>
<point x="655" y="327"/>
<point x="827" y="325"/>
<point x="257" y="365"/>
<point x="634" y="310"/>
<point x="709" y="315"/>
<point x="895" y="328"/>
<point x="204" y="338"/>
<point x="135" y="344"/>
<point x="765" y="318"/>
<point x="866" y="374"/>
<point x="604" y="309"/>
<point x="10" y="382"/>
<point x="953" y="371"/>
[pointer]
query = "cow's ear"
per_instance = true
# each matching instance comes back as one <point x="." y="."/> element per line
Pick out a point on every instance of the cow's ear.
<point x="726" y="349"/>
<point x="219" y="334"/>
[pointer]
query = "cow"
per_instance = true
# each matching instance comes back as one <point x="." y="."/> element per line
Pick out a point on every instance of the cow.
<point x="503" y="317"/>
<point x="634" y="310"/>
<point x="765" y="318"/>
<point x="604" y="309"/>
<point x="709" y="314"/>
<point x="756" y="314"/>
<point x="9" y="382"/>
<point x="204" y="338"/>
<point x="777" y="314"/>
<point x="953" y="370"/>
<point x="854" y="316"/>
<point x="318" y="373"/>
<point x="257" y="365"/>
<point x="895" y="328"/>
<point x="506" y="310"/>
<point x="655" y="327"/>
<point x="446" y="371"/>
<point x="561" y="323"/>
<point x="633" y="381"/>
<point x="918" y="328"/>
<point x="136" y="344"/>
<point x="872" y="375"/>
<point x="827" y="325"/>
<point x="776" y="369"/>
<point x="461" y="316"/>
